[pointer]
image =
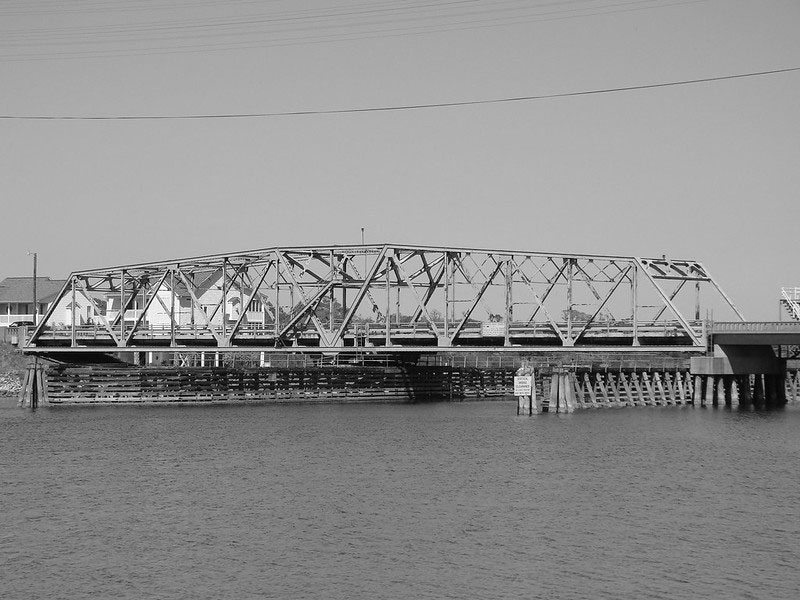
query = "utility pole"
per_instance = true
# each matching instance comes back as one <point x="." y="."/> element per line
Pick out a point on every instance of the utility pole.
<point x="35" y="382"/>
<point x="365" y="254"/>
<point x="35" y="297"/>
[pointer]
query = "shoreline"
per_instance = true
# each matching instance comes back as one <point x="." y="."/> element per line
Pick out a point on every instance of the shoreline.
<point x="12" y="370"/>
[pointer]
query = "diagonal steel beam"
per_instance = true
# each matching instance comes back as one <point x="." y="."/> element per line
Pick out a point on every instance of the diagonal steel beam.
<point x="475" y="301"/>
<point x="469" y="278"/>
<point x="362" y="291"/>
<point x="50" y="311"/>
<point x="309" y="306"/>
<point x="288" y="258"/>
<point x="432" y="287"/>
<point x="261" y="295"/>
<point x="139" y="320"/>
<point x="245" y="307"/>
<point x="97" y="312"/>
<point x="722" y="293"/>
<point x="373" y="275"/>
<point x="590" y="279"/>
<point x="671" y="297"/>
<point x="600" y="307"/>
<point x="169" y="310"/>
<point x="137" y="287"/>
<point x="307" y="312"/>
<point x="550" y="288"/>
<point x="419" y="301"/>
<point x="540" y="304"/>
<point x="696" y="340"/>
<point x="192" y="293"/>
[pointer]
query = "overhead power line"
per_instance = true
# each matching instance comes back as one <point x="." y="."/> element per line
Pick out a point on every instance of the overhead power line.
<point x="404" y="107"/>
<point x="378" y="19"/>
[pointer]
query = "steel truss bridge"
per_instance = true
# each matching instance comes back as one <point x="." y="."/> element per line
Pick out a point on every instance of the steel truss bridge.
<point x="384" y="298"/>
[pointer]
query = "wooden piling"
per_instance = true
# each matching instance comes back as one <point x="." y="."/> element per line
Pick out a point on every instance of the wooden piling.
<point x="793" y="386"/>
<point x="745" y="392"/>
<point x="659" y="388"/>
<point x="669" y="386"/>
<point x="734" y="392"/>
<point x="708" y="399"/>
<point x="640" y="396"/>
<point x="23" y="392"/>
<point x="719" y="395"/>
<point x="648" y="386"/>
<point x="552" y="403"/>
<point x="697" y="398"/>
<point x="758" y="392"/>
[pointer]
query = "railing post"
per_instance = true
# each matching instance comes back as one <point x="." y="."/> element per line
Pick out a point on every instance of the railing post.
<point x="122" y="306"/>
<point x="447" y="277"/>
<point x="388" y="316"/>
<point x="73" y="337"/>
<point x="509" y="301"/>
<point x="635" y="303"/>
<point x="569" y="340"/>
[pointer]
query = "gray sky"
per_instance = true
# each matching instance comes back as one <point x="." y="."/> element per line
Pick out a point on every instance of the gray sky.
<point x="706" y="171"/>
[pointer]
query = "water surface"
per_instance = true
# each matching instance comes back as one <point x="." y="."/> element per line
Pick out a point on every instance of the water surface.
<point x="461" y="500"/>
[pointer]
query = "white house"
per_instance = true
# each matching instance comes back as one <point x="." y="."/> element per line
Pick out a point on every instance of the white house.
<point x="208" y="294"/>
<point x="16" y="298"/>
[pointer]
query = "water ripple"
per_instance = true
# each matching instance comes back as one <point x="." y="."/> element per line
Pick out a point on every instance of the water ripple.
<point x="383" y="501"/>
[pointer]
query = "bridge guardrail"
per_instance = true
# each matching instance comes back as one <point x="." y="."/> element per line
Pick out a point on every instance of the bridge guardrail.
<point x="792" y="298"/>
<point x="791" y="293"/>
<point x="401" y="333"/>
<point x="755" y="327"/>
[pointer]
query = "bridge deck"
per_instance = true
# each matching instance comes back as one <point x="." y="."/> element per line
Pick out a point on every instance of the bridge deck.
<point x="520" y="335"/>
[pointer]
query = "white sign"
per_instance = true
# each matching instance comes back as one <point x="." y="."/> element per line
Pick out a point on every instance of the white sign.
<point x="493" y="329"/>
<point x="523" y="385"/>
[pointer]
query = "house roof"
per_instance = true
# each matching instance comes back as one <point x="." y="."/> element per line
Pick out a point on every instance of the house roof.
<point x="20" y="289"/>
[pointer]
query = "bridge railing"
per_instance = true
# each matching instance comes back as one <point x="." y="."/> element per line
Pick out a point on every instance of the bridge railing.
<point x="791" y="296"/>
<point x="617" y="331"/>
<point x="755" y="327"/>
<point x="791" y="293"/>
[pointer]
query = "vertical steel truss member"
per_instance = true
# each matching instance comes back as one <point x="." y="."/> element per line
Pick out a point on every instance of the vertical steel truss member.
<point x="383" y="296"/>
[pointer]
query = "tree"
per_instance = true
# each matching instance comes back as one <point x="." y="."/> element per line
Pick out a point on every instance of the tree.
<point x="577" y="315"/>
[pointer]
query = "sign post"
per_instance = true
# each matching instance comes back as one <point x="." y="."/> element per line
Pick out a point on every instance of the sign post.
<point x="525" y="391"/>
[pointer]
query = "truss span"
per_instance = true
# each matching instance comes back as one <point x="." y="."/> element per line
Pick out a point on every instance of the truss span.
<point x="384" y="297"/>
